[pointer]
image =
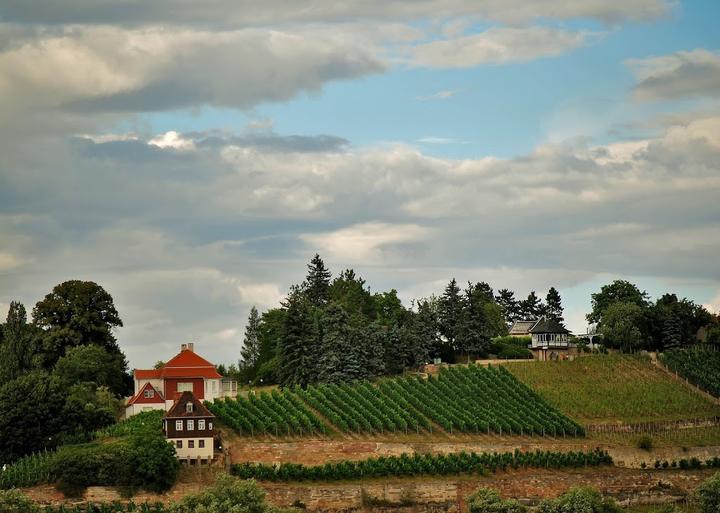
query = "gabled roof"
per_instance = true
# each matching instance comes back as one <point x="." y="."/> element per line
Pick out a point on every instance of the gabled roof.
<point x="545" y="325"/>
<point x="186" y="364"/>
<point x="179" y="408"/>
<point x="140" y="396"/>
<point x="522" y="327"/>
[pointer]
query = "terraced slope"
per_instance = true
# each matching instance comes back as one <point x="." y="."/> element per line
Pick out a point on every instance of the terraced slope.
<point x="700" y="367"/>
<point x="613" y="388"/>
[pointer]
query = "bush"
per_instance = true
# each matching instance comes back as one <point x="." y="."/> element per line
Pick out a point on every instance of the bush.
<point x="645" y="443"/>
<point x="229" y="495"/>
<point x="12" y="501"/>
<point x="580" y="500"/>
<point x="485" y="500"/>
<point x="708" y="495"/>
<point x="146" y="462"/>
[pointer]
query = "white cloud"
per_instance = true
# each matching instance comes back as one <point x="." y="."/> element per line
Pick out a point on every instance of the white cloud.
<point x="678" y="75"/>
<point x="440" y="95"/>
<point x="497" y="46"/>
<point x="173" y="140"/>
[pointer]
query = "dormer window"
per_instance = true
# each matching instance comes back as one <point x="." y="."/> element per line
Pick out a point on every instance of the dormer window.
<point x="189" y="407"/>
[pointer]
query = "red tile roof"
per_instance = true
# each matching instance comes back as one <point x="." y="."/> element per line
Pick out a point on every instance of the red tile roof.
<point x="140" y="396"/>
<point x="186" y="364"/>
<point x="147" y="374"/>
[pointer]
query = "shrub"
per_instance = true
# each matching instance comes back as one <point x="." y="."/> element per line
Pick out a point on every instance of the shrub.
<point x="229" y="495"/>
<point x="580" y="500"/>
<point x="486" y="500"/>
<point x="645" y="443"/>
<point x="12" y="501"/>
<point x="708" y="495"/>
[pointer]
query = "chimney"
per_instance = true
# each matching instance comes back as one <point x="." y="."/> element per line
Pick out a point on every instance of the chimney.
<point x="191" y="346"/>
<point x="183" y="347"/>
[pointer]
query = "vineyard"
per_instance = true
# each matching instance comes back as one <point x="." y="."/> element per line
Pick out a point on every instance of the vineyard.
<point x="419" y="465"/>
<point x="468" y="399"/>
<point x="27" y="471"/>
<point x="701" y="367"/>
<point x="147" y="422"/>
<point x="613" y="388"/>
<point x="276" y="413"/>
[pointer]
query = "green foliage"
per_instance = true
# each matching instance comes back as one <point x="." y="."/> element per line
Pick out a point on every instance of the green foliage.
<point x="553" y="305"/>
<point x="144" y="423"/>
<point x="511" y="348"/>
<point x="708" y="495"/>
<point x="13" y="501"/>
<point x="228" y="495"/>
<point x="580" y="500"/>
<point x="700" y="366"/>
<point x="250" y="352"/>
<point x="610" y="388"/>
<point x="18" y="344"/>
<point x="76" y="313"/>
<point x="92" y="363"/>
<point x="621" y="326"/>
<point x="486" y="500"/>
<point x="316" y="287"/>
<point x="276" y="413"/>
<point x="531" y="307"/>
<point x="645" y="443"/>
<point x="27" y="471"/>
<point x="619" y="291"/>
<point x="419" y="465"/>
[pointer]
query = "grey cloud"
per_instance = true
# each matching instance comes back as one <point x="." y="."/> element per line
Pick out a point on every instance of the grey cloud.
<point x="274" y="142"/>
<point x="249" y="12"/>
<point x="678" y="75"/>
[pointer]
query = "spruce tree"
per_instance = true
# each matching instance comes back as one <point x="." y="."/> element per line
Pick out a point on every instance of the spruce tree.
<point x="511" y="308"/>
<point x="671" y="331"/>
<point x="16" y="344"/>
<point x="450" y="311"/>
<point x="531" y="308"/>
<point x="317" y="283"/>
<point x="296" y="348"/>
<point x="553" y="305"/>
<point x="250" y="352"/>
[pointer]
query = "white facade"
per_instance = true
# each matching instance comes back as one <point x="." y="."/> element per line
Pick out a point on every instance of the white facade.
<point x="550" y="340"/>
<point x="193" y="448"/>
<point x="136" y="408"/>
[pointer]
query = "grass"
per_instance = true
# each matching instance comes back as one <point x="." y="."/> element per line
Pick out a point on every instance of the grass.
<point x="695" y="437"/>
<point x="613" y="388"/>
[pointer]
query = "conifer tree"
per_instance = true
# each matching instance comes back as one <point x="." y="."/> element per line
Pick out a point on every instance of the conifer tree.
<point x="338" y="356"/>
<point x="297" y="344"/>
<point x="553" y="305"/>
<point x="250" y="352"/>
<point x="531" y="308"/>
<point x="317" y="283"/>
<point x="450" y="311"/>
<point x="17" y="347"/>
<point x="511" y="308"/>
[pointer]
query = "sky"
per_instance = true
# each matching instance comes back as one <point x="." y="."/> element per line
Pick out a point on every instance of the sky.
<point x="191" y="157"/>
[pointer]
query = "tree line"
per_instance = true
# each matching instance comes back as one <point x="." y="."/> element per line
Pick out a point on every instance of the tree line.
<point x="63" y="374"/>
<point x="333" y="330"/>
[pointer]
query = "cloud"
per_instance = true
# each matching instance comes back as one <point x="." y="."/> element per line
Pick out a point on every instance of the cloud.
<point x="439" y="140"/>
<point x="112" y="70"/>
<point x="233" y="13"/>
<point x="440" y="95"/>
<point x="678" y="75"/>
<point x="496" y="46"/>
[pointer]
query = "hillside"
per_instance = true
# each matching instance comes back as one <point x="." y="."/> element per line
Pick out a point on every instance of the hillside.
<point x="613" y="388"/>
<point x="699" y="366"/>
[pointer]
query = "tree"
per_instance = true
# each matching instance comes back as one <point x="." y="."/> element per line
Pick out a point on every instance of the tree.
<point x="531" y="308"/>
<point x="349" y="291"/>
<point x="389" y="308"/>
<point x="317" y="283"/>
<point x="339" y="360"/>
<point x="31" y="419"/>
<point x="76" y="313"/>
<point x="450" y="311"/>
<point x="511" y="308"/>
<point x="298" y="342"/>
<point x="486" y="500"/>
<point x="228" y="495"/>
<point x="250" y="351"/>
<point x="553" y="305"/>
<point x="621" y="326"/>
<point x="93" y="364"/>
<point x="475" y="333"/>
<point x="18" y="344"/>
<point x="619" y="291"/>
<point x="674" y="322"/>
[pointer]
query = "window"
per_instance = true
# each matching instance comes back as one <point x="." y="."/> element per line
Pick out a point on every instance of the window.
<point x="189" y="407"/>
<point x="214" y="385"/>
<point x="191" y="444"/>
<point x="201" y="424"/>
<point x="201" y="444"/>
<point x="149" y="393"/>
<point x="178" y="444"/>
<point x="184" y="387"/>
<point x="210" y="425"/>
<point x="178" y="425"/>
<point x="191" y="425"/>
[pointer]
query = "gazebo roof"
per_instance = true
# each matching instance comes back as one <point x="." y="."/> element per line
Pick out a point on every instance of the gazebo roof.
<point x="545" y="325"/>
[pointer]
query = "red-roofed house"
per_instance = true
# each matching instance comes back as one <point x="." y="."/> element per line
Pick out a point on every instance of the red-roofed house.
<point x="187" y="372"/>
